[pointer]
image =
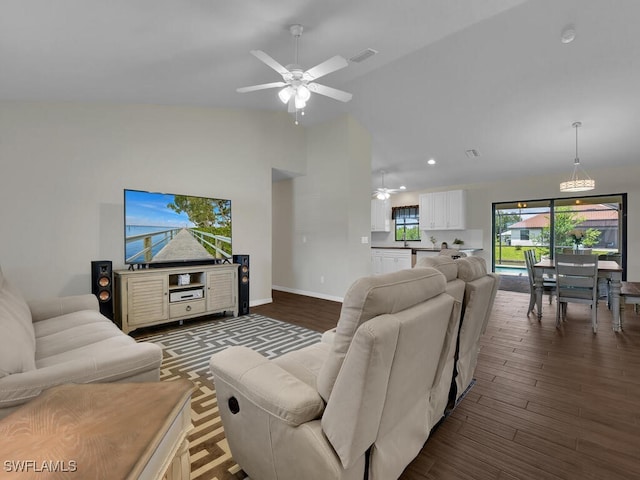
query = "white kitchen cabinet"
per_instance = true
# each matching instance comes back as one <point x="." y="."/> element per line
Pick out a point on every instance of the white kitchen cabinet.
<point x="457" y="209"/>
<point x="390" y="260"/>
<point x="380" y="215"/>
<point x="443" y="210"/>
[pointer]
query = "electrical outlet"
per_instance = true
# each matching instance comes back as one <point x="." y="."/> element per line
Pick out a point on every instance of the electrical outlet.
<point x="321" y="278"/>
<point x="364" y="240"/>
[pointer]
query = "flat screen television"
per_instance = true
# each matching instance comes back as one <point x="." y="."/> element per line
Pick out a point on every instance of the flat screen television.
<point x="164" y="229"/>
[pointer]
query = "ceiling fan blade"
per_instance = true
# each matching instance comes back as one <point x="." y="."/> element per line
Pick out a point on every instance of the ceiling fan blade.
<point x="330" y="92"/>
<point x="263" y="86"/>
<point x="326" y="67"/>
<point x="260" y="55"/>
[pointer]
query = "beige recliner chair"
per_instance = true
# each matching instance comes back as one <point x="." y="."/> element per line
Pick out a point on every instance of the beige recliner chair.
<point x="455" y="287"/>
<point x="478" y="295"/>
<point x="358" y="404"/>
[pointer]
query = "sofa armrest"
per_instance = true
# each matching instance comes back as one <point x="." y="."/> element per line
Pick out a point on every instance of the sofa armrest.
<point x="54" y="307"/>
<point x="266" y="385"/>
<point x="328" y="336"/>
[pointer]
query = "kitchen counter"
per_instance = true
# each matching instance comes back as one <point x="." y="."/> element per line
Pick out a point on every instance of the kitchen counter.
<point x="390" y="258"/>
<point x="423" y="249"/>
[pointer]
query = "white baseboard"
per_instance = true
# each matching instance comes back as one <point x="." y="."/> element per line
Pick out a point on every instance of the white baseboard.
<point x="308" y="294"/>
<point x="260" y="301"/>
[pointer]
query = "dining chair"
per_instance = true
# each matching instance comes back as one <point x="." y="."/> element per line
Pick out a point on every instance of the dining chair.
<point x="577" y="282"/>
<point x="548" y="284"/>
<point x="604" y="284"/>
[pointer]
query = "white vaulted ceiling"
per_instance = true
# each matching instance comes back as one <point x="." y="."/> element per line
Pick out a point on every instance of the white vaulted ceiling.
<point x="451" y="75"/>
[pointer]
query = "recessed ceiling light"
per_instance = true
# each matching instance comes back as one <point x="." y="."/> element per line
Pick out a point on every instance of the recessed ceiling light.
<point x="402" y="187"/>
<point x="431" y="161"/>
<point x="568" y="34"/>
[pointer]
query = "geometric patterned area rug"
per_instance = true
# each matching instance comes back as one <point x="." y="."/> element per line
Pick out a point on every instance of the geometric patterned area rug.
<point x="186" y="353"/>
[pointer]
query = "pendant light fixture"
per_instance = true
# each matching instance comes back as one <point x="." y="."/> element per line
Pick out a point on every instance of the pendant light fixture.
<point x="577" y="183"/>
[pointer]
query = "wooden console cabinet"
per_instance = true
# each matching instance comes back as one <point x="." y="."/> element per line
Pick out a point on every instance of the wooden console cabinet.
<point x="160" y="295"/>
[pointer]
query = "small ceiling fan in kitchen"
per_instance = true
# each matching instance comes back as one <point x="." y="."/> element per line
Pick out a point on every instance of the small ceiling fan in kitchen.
<point x="382" y="192"/>
<point x="298" y="84"/>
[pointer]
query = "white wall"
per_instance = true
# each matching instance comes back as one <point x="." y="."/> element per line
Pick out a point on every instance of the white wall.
<point x="321" y="217"/>
<point x="64" y="167"/>
<point x="480" y="196"/>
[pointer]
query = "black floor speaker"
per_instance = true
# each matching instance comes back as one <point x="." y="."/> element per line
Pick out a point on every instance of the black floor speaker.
<point x="243" y="283"/>
<point x="102" y="285"/>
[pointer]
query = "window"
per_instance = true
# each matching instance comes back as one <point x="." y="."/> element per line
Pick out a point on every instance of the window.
<point x="407" y="221"/>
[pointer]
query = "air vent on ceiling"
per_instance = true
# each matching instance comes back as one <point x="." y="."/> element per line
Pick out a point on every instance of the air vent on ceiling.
<point x="472" y="153"/>
<point x="363" y="55"/>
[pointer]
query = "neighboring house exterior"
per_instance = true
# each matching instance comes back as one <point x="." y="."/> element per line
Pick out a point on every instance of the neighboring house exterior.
<point x="527" y="232"/>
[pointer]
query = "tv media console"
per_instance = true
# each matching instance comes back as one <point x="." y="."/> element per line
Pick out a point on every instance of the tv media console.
<point x="160" y="295"/>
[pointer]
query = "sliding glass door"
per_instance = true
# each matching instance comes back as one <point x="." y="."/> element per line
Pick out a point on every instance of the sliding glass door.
<point x="520" y="226"/>
<point x="589" y="224"/>
<point x="595" y="224"/>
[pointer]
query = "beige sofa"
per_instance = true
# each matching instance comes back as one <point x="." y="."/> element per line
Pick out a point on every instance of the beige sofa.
<point x="64" y="340"/>
<point x="470" y="284"/>
<point x="358" y="404"/>
<point x="479" y="293"/>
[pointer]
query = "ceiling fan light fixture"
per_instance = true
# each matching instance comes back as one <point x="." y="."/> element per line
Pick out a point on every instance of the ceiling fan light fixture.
<point x="303" y="92"/>
<point x="285" y="94"/>
<point x="383" y="195"/>
<point x="578" y="183"/>
<point x="300" y="103"/>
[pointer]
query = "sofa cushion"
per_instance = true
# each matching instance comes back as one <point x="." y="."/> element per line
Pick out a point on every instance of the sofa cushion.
<point x="305" y="363"/>
<point x="369" y="297"/>
<point x="17" y="338"/>
<point x="449" y="268"/>
<point x="443" y="263"/>
<point x="69" y="336"/>
<point x="62" y="323"/>
<point x="471" y="268"/>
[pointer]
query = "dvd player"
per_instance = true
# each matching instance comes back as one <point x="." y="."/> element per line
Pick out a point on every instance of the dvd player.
<point x="190" y="294"/>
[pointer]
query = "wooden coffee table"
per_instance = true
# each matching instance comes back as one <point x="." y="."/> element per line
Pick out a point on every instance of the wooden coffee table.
<point x="101" y="431"/>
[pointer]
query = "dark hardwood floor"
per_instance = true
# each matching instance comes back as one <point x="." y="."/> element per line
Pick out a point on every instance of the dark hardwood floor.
<point x="548" y="403"/>
<point x="312" y="313"/>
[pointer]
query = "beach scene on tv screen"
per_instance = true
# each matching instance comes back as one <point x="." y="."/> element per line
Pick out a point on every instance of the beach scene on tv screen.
<point x="162" y="227"/>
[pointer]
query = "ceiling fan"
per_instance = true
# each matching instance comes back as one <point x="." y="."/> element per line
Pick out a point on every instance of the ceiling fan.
<point x="382" y="192"/>
<point x="298" y="84"/>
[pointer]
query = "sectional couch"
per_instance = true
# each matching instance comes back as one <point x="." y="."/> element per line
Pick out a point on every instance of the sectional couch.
<point x="64" y="340"/>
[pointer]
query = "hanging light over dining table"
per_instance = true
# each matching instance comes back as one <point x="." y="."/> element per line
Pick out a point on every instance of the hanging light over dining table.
<point x="580" y="180"/>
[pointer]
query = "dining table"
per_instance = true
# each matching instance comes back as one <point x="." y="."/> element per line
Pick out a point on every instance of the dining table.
<point x="607" y="269"/>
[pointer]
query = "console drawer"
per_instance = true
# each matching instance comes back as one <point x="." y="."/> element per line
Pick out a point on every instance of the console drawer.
<point x="184" y="309"/>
